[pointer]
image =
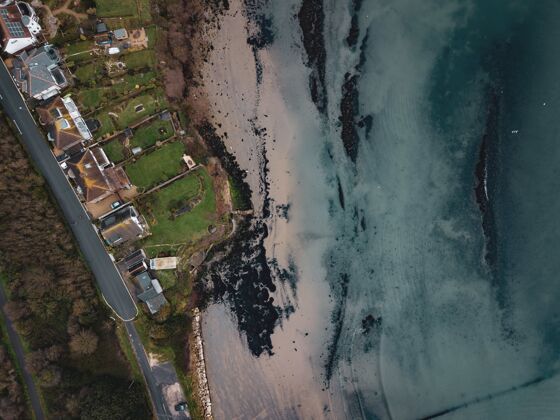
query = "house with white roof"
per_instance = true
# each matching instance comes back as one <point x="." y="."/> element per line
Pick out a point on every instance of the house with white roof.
<point x="19" y="26"/>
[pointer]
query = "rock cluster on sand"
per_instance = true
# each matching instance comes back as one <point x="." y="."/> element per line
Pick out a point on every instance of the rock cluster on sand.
<point x="200" y="366"/>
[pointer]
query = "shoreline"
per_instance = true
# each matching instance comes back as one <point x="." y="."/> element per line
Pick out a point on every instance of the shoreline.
<point x="270" y="308"/>
<point x="200" y="363"/>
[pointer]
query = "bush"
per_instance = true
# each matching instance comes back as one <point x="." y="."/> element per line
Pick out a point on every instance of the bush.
<point x="85" y="342"/>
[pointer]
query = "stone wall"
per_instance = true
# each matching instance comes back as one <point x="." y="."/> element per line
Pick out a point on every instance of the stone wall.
<point x="200" y="367"/>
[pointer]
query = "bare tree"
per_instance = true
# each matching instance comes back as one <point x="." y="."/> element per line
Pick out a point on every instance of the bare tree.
<point x="85" y="342"/>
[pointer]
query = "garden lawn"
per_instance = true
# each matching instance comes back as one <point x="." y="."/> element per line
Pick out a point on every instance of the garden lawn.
<point x="113" y="8"/>
<point x="79" y="52"/>
<point x="92" y="98"/>
<point x="140" y="59"/>
<point x="156" y="167"/>
<point x="79" y="47"/>
<point x="107" y="125"/>
<point x="188" y="226"/>
<point x="148" y="135"/>
<point x="128" y="114"/>
<point x="144" y="9"/>
<point x="167" y="278"/>
<point x="151" y="32"/>
<point x="87" y="72"/>
<point x="130" y="81"/>
<point x="114" y="150"/>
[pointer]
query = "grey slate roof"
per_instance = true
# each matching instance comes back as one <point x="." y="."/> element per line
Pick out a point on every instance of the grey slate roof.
<point x="37" y="70"/>
<point x="155" y="303"/>
<point x="151" y="292"/>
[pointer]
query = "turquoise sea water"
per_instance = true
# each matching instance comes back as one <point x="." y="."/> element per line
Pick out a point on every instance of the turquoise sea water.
<point x="425" y="170"/>
<point x="463" y="294"/>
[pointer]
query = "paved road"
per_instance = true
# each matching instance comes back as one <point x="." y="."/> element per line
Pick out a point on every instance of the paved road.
<point x="109" y="280"/>
<point x="20" y="356"/>
<point x="155" y="392"/>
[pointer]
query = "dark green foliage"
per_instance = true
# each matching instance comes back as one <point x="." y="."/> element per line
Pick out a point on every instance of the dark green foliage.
<point x="108" y="399"/>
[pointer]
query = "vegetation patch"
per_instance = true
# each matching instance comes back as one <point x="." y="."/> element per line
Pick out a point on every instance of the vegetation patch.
<point x="114" y="150"/>
<point x="148" y="135"/>
<point x="130" y="112"/>
<point x="140" y="59"/>
<point x="96" y="97"/>
<point x="130" y="82"/>
<point x="107" y="125"/>
<point x="112" y="8"/>
<point x="92" y="98"/>
<point x="78" y="48"/>
<point x="152" y="33"/>
<point x="12" y="390"/>
<point x="156" y="167"/>
<point x="87" y="72"/>
<point x="144" y="10"/>
<point x="182" y="211"/>
<point x="136" y="109"/>
<point x="167" y="278"/>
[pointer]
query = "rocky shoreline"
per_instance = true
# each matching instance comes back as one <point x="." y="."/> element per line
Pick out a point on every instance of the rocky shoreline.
<point x="200" y="367"/>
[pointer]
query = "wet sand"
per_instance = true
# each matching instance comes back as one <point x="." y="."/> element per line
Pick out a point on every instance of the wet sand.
<point x="262" y="133"/>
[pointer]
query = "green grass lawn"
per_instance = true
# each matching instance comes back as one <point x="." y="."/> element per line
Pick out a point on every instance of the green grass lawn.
<point x="114" y="150"/>
<point x="148" y="135"/>
<point x="79" y="47"/>
<point x="144" y="6"/>
<point x="167" y="278"/>
<point x="129" y="114"/>
<point x="95" y="97"/>
<point x="107" y="125"/>
<point x="92" y="98"/>
<point x="112" y="8"/>
<point x="87" y="72"/>
<point x="140" y="59"/>
<point x="129" y="82"/>
<point x="151" y="102"/>
<point x="151" y="32"/>
<point x="187" y="226"/>
<point x="156" y="167"/>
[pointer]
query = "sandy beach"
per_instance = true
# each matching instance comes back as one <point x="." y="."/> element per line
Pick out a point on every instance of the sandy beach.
<point x="262" y="133"/>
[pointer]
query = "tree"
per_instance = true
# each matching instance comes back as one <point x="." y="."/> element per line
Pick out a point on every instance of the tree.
<point x="84" y="342"/>
<point x="53" y="353"/>
<point x="158" y="332"/>
<point x="73" y="405"/>
<point x="36" y="361"/>
<point x="80" y="307"/>
<point x="50" y="376"/>
<point x="16" y="310"/>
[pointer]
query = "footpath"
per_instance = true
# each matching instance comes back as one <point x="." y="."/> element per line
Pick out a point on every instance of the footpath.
<point x="20" y="358"/>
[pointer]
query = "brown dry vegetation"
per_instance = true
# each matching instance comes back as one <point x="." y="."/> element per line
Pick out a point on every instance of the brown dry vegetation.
<point x="12" y="399"/>
<point x="187" y="28"/>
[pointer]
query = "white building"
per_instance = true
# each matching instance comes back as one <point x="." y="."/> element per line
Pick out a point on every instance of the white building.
<point x="19" y="26"/>
<point x="165" y="263"/>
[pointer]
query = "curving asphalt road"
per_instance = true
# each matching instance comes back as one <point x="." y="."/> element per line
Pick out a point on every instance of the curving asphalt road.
<point x="162" y="412"/>
<point x="108" y="278"/>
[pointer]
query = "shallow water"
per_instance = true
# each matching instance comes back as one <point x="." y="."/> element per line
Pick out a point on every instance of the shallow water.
<point x="422" y="224"/>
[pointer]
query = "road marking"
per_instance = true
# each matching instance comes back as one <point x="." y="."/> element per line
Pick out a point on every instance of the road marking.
<point x="17" y="126"/>
<point x="1" y="97"/>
